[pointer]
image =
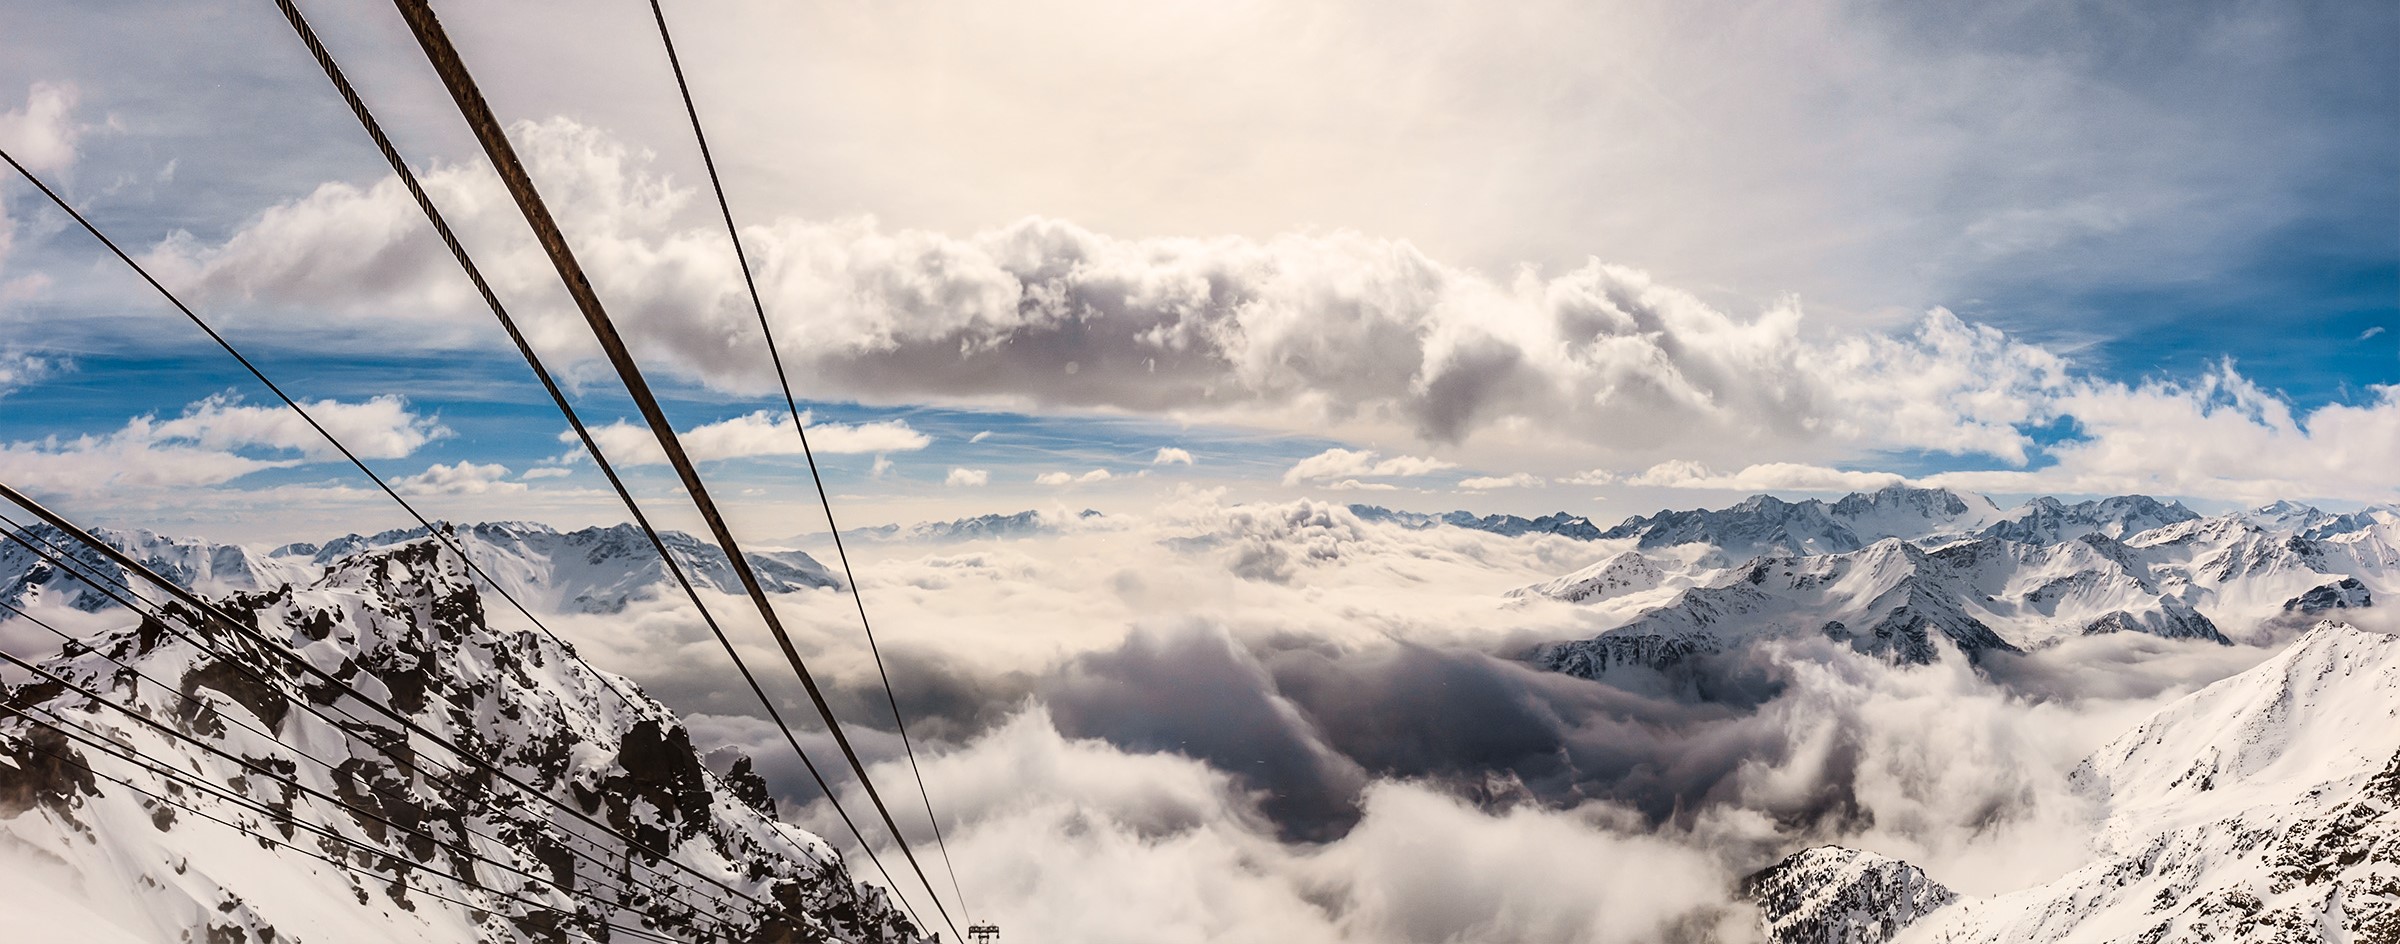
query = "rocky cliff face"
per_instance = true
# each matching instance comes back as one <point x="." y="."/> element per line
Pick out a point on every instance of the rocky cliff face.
<point x="404" y="626"/>
<point x="1832" y="895"/>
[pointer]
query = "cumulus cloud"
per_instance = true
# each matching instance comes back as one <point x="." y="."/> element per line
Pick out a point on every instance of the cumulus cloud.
<point x="43" y="134"/>
<point x="1170" y="455"/>
<point x="459" y="478"/>
<point x="1069" y="478"/>
<point x="1764" y="477"/>
<point x="1293" y="330"/>
<point x="547" y="472"/>
<point x="2221" y="436"/>
<point x="1339" y="463"/>
<point x="19" y="369"/>
<point x="1481" y="483"/>
<point x="379" y="428"/>
<point x="968" y="477"/>
<point x="1097" y="842"/>
<point x="1297" y="332"/>
<point x="213" y="441"/>
<point x="763" y="433"/>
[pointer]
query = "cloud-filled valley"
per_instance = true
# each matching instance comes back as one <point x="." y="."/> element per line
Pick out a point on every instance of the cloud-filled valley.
<point x="1301" y="709"/>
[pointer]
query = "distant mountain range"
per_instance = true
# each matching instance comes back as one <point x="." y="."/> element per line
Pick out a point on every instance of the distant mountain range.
<point x="1022" y="524"/>
<point x="1911" y="573"/>
<point x="2259" y="810"/>
<point x="591" y="570"/>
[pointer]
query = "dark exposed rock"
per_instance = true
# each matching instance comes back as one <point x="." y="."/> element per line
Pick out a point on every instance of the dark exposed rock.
<point x="2344" y="594"/>
<point x="1833" y="895"/>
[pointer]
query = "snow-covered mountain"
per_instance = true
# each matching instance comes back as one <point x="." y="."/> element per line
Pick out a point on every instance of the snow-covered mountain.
<point x="194" y="564"/>
<point x="1707" y="581"/>
<point x="1561" y="523"/>
<point x="591" y="570"/>
<point x="1764" y="524"/>
<point x="2262" y="809"/>
<point x="2050" y="521"/>
<point x="356" y="834"/>
<point x="1023" y="524"/>
<point x="1833" y="895"/>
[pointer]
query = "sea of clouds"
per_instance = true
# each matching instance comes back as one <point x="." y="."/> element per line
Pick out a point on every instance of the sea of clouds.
<point x="1282" y="723"/>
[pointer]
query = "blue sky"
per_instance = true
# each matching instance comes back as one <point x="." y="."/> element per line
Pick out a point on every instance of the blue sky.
<point x="1570" y="254"/>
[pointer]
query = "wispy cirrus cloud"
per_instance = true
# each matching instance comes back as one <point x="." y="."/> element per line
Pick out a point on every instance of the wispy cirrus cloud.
<point x="1060" y="479"/>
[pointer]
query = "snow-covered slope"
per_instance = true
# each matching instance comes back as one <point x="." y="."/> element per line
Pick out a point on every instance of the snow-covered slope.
<point x="2263" y="809"/>
<point x="404" y="625"/>
<point x="591" y="570"/>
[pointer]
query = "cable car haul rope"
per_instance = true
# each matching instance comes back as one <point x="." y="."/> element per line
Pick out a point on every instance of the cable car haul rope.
<point x="191" y="610"/>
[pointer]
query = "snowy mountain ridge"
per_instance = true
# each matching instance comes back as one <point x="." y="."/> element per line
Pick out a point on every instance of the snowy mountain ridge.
<point x="404" y="625"/>
<point x="589" y="570"/>
<point x="1708" y="581"/>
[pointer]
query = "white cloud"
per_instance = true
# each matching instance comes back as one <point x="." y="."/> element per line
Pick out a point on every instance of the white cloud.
<point x="2370" y="332"/>
<point x="94" y="465"/>
<point x="214" y="441"/>
<point x="1592" y="477"/>
<point x="19" y="369"/>
<point x="1302" y="332"/>
<point x="1763" y="477"/>
<point x="764" y="433"/>
<point x="1517" y="480"/>
<point x="979" y="437"/>
<point x="547" y="472"/>
<point x="1338" y="463"/>
<point x="1065" y="478"/>
<point x="378" y="428"/>
<point x="1170" y="455"/>
<point x="2222" y="436"/>
<point x="960" y="478"/>
<point x="460" y="478"/>
<point x="1293" y="331"/>
<point x="882" y="466"/>
<point x="43" y="134"/>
